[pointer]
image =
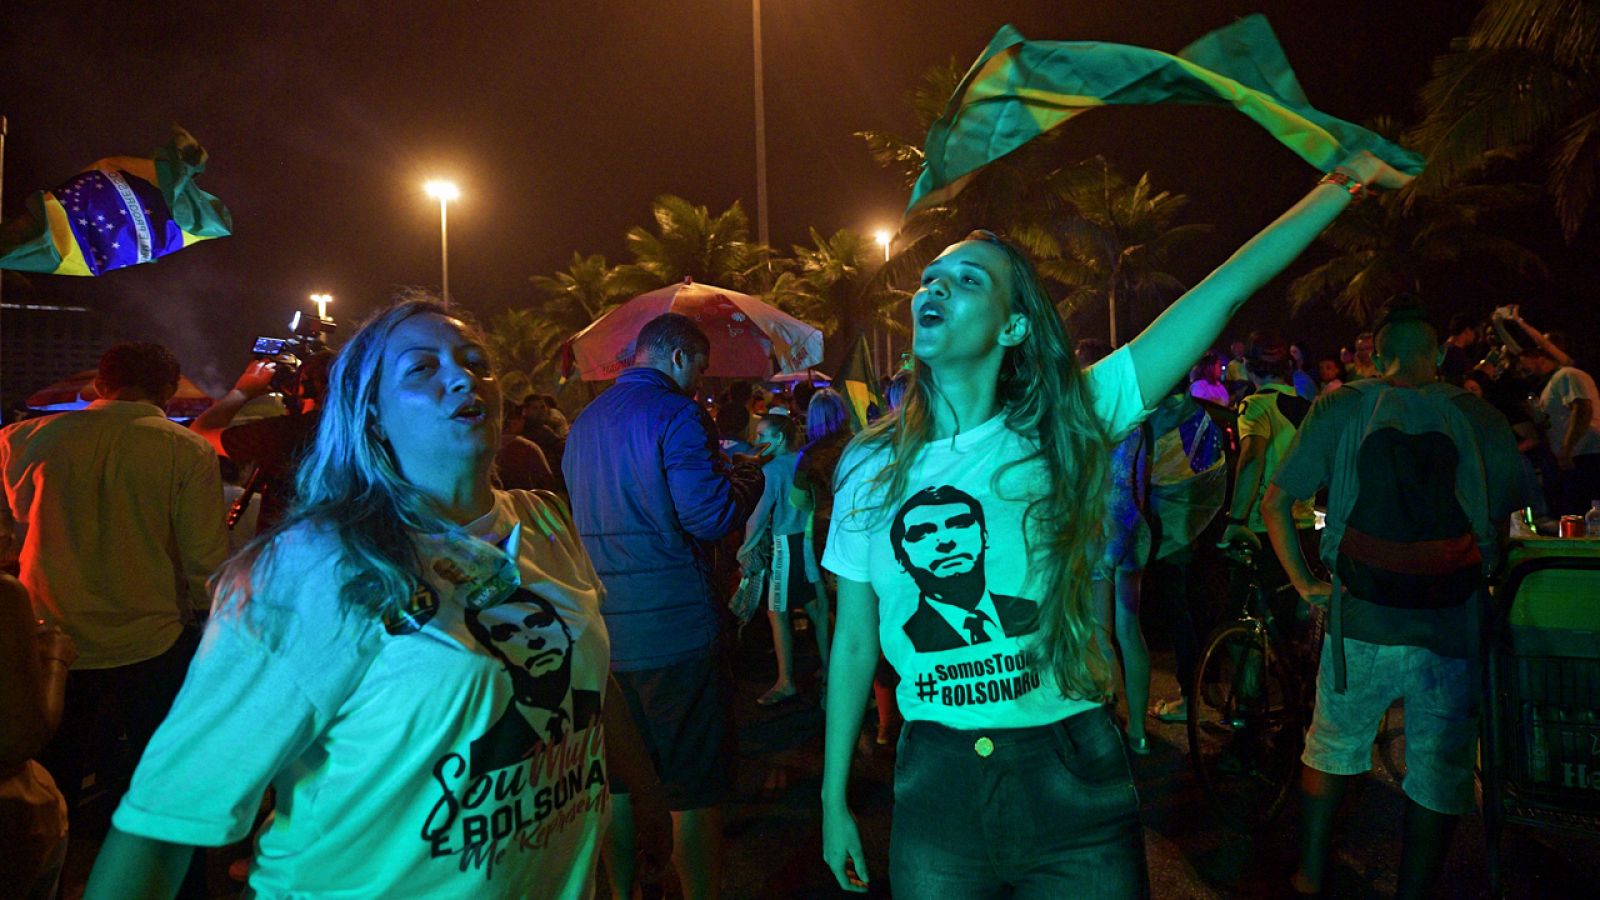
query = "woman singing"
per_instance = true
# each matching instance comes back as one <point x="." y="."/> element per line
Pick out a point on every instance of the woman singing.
<point x="963" y="535"/>
<point x="414" y="661"/>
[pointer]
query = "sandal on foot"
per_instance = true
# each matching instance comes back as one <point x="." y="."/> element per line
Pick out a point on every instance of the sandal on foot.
<point x="1140" y="746"/>
<point x="773" y="698"/>
<point x="1173" y="711"/>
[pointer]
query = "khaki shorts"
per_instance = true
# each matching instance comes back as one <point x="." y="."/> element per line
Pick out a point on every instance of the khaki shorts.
<point x="1441" y="729"/>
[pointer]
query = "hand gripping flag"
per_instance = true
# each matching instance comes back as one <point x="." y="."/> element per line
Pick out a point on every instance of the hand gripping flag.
<point x="119" y="212"/>
<point x="1019" y="89"/>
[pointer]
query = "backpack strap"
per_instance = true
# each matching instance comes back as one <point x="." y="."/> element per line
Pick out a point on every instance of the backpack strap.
<point x="1336" y="631"/>
<point x="1341" y="500"/>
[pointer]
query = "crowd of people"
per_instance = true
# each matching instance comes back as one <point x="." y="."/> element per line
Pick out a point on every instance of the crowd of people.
<point x="475" y="649"/>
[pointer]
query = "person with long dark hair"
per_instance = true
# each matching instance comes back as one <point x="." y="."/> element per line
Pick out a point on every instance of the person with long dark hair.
<point x="414" y="660"/>
<point x="963" y="537"/>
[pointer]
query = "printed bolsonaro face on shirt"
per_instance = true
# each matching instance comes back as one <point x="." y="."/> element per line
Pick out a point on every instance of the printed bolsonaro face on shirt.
<point x="939" y="539"/>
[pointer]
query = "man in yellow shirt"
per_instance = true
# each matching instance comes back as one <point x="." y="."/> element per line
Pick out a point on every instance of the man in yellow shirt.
<point x="114" y="515"/>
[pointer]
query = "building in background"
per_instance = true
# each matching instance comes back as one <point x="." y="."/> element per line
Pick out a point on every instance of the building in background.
<point x="41" y="343"/>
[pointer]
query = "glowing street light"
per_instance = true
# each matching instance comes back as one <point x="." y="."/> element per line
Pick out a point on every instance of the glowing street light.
<point x="884" y="238"/>
<point x="322" y="301"/>
<point x="444" y="192"/>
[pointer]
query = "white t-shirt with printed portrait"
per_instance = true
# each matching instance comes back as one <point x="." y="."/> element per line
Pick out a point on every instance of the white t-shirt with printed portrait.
<point x="453" y="752"/>
<point x="957" y="592"/>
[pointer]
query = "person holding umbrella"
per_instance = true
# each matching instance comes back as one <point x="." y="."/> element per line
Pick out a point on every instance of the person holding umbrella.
<point x="963" y="533"/>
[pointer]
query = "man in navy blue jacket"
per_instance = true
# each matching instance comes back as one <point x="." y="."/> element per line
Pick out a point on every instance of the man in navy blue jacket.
<point x="651" y="492"/>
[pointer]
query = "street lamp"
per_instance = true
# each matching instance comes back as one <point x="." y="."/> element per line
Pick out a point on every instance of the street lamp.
<point x="883" y="237"/>
<point x="444" y="192"/>
<point x="322" y="301"/>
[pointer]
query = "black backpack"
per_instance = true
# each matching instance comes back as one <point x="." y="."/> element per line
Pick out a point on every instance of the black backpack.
<point x="1400" y="501"/>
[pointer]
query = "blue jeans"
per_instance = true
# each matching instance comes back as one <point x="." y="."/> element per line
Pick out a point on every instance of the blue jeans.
<point x="1051" y="812"/>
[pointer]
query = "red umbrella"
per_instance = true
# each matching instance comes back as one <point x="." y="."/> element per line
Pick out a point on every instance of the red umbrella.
<point x="749" y="338"/>
<point x="809" y="376"/>
<point x="77" y="391"/>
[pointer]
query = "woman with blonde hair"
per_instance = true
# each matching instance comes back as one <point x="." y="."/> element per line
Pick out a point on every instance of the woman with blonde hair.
<point x="413" y="660"/>
<point x="962" y="538"/>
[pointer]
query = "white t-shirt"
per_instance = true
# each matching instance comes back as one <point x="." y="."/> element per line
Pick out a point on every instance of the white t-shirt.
<point x="454" y="754"/>
<point x="960" y="532"/>
<point x="1566" y="386"/>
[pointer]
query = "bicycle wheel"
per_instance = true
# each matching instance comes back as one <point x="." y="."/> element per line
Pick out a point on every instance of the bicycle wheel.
<point x="1245" y="728"/>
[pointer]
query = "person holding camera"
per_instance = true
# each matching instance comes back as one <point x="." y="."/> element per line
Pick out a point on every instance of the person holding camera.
<point x="274" y="445"/>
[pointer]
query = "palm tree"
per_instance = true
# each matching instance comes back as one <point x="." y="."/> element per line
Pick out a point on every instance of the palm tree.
<point x="526" y="342"/>
<point x="832" y="286"/>
<point x="1389" y="246"/>
<point x="690" y="242"/>
<point x="1526" y="78"/>
<point x="927" y="100"/>
<point x="1003" y="195"/>
<point x="525" y="346"/>
<point x="587" y="289"/>
<point x="1090" y="232"/>
<point x="1113" y="244"/>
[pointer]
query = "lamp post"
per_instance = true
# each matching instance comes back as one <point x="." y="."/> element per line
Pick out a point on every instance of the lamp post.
<point x="885" y="239"/>
<point x="762" y="233"/>
<point x="444" y="192"/>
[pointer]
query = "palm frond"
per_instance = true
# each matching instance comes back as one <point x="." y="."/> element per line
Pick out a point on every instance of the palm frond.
<point x="933" y="92"/>
<point x="1323" y="282"/>
<point x="1567" y="31"/>
<point x="1573" y="169"/>
<point x="1479" y="100"/>
<point x="894" y="152"/>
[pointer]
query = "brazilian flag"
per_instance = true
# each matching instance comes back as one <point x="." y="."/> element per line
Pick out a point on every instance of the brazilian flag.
<point x="1019" y="89"/>
<point x="119" y="212"/>
<point x="859" y="385"/>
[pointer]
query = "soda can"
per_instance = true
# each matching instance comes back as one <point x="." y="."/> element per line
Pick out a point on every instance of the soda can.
<point x="1572" y="526"/>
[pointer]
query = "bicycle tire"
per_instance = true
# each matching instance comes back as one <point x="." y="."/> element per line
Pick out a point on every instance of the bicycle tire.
<point x="1245" y="730"/>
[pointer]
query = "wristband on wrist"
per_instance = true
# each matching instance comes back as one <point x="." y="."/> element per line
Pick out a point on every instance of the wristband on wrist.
<point x="1348" y="182"/>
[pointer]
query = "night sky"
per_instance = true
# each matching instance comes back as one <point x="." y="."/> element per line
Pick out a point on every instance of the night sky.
<point x="562" y="121"/>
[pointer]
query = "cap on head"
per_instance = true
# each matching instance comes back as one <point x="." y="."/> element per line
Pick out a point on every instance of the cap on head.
<point x="1267" y="355"/>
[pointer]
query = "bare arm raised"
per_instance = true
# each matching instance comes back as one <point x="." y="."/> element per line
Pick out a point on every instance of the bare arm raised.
<point x="1164" y="352"/>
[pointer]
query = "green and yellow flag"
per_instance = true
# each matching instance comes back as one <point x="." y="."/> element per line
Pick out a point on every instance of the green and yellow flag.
<point x="859" y="384"/>
<point x="121" y="211"/>
<point x="1019" y="89"/>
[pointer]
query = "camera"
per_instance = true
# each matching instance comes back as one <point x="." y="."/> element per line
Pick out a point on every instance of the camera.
<point x="308" y="335"/>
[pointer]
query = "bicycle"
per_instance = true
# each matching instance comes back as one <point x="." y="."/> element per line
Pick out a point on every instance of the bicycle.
<point x="1250" y="703"/>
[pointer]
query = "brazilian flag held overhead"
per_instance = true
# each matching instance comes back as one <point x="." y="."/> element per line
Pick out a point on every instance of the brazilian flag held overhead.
<point x="1019" y="89"/>
<point x="119" y="212"/>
